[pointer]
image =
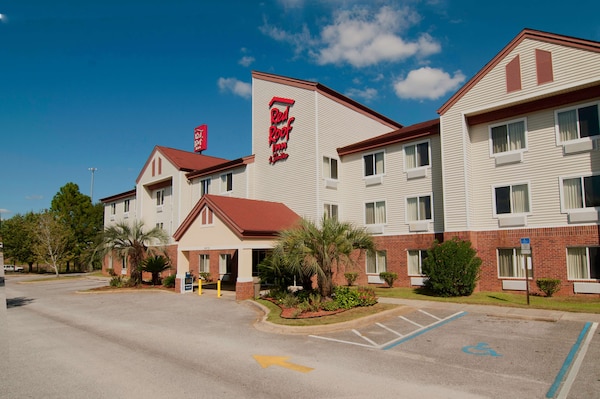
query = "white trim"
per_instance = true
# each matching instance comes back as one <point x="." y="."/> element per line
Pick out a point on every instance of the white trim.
<point x="414" y="144"/>
<point x="506" y="123"/>
<point x="519" y="183"/>
<point x="571" y="108"/>
<point x="363" y="155"/>
<point x="374" y="202"/>
<point x="418" y="196"/>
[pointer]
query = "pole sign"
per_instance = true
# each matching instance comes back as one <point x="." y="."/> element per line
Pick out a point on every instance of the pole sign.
<point x="525" y="246"/>
<point x="200" y="138"/>
<point x="280" y="129"/>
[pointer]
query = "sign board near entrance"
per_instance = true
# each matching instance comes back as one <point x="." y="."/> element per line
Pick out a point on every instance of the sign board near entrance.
<point x="525" y="246"/>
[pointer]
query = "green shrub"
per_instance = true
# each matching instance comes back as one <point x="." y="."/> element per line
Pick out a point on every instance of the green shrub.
<point x="205" y="276"/>
<point x="289" y="300"/>
<point x="366" y="296"/>
<point x="116" y="282"/>
<point x="548" y="285"/>
<point x="351" y="277"/>
<point x="389" y="278"/>
<point x="346" y="297"/>
<point x="169" y="281"/>
<point x="330" y="305"/>
<point x="111" y="272"/>
<point x="452" y="268"/>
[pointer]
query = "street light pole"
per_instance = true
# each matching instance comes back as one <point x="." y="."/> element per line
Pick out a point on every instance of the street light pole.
<point x="92" y="185"/>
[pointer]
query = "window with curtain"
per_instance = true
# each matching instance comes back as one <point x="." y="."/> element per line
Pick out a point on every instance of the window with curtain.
<point x="113" y="208"/>
<point x="577" y="123"/>
<point x="508" y="137"/>
<point x="330" y="168"/>
<point x="418" y="208"/>
<point x="583" y="263"/>
<point x="375" y="212"/>
<point x="415" y="262"/>
<point x="512" y="199"/>
<point x="204" y="263"/>
<point x="224" y="263"/>
<point x="204" y="187"/>
<point x="330" y="211"/>
<point x="374" y="164"/>
<point x="226" y="182"/>
<point x="160" y="197"/>
<point x="416" y="155"/>
<point x="511" y="263"/>
<point x="376" y="262"/>
<point x="581" y="192"/>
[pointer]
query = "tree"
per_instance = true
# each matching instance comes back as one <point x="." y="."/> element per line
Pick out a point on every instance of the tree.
<point x="51" y="240"/>
<point x="19" y="238"/>
<point x="81" y="218"/>
<point x="155" y="265"/>
<point x="132" y="242"/>
<point x="452" y="268"/>
<point x="312" y="250"/>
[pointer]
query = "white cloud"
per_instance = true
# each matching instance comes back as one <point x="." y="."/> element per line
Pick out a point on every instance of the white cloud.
<point x="366" y="94"/>
<point x="237" y="87"/>
<point x="427" y="83"/>
<point x="246" y="60"/>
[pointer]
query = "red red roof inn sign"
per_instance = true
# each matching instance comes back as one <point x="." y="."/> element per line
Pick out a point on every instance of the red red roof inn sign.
<point x="280" y="129"/>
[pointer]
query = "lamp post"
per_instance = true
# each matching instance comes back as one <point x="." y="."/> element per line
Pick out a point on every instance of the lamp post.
<point x="92" y="185"/>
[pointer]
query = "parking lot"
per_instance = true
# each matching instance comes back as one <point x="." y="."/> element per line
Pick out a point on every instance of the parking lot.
<point x="62" y="343"/>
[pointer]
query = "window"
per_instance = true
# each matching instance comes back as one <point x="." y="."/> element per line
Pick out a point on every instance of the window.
<point x="160" y="225"/>
<point x="418" y="208"/>
<point x="226" y="182"/>
<point x="126" y="206"/>
<point x="583" y="263"/>
<point x="330" y="168"/>
<point x="511" y="263"/>
<point x="415" y="262"/>
<point x="123" y="263"/>
<point x="160" y="197"/>
<point x="376" y="262"/>
<point x="576" y="123"/>
<point x="113" y="208"/>
<point x="581" y="192"/>
<point x="204" y="264"/>
<point x="375" y="212"/>
<point x="204" y="187"/>
<point x="508" y="137"/>
<point x="511" y="199"/>
<point x="330" y="211"/>
<point x="374" y="164"/>
<point x="416" y="155"/>
<point x="224" y="264"/>
<point x="258" y="255"/>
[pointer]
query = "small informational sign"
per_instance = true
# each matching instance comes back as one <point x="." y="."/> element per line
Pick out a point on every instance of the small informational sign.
<point x="188" y="283"/>
<point x="525" y="246"/>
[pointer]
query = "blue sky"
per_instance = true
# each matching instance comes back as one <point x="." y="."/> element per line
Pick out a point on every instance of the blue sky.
<point x="99" y="83"/>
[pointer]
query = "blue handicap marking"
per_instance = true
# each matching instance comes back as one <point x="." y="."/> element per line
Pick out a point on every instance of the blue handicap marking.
<point x="481" y="349"/>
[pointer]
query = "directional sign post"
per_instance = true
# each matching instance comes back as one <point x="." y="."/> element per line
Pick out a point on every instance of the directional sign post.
<point x="526" y="250"/>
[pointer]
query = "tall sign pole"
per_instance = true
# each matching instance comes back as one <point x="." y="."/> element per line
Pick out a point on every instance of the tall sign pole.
<point x="92" y="185"/>
<point x="526" y="250"/>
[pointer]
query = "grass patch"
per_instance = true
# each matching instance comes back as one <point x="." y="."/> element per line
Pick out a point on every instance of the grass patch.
<point x="578" y="304"/>
<point x="351" y="314"/>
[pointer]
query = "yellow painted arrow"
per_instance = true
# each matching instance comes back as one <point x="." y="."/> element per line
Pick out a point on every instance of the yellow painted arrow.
<point x="266" y="361"/>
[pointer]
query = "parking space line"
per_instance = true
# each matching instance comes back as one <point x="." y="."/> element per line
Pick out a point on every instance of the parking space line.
<point x="429" y="314"/>
<point x="389" y="329"/>
<point x="341" y="341"/>
<point x="410" y="321"/>
<point x="365" y="338"/>
<point x="575" y="357"/>
<point x="423" y="330"/>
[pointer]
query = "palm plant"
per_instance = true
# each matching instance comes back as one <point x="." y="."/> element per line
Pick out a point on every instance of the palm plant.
<point x="155" y="265"/>
<point x="133" y="243"/>
<point x="309" y="249"/>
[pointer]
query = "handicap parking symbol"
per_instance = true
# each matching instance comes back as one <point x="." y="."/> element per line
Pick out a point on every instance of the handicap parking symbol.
<point x="481" y="349"/>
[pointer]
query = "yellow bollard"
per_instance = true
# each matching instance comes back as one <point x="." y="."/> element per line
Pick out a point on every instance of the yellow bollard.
<point x="199" y="286"/>
<point x="218" y="288"/>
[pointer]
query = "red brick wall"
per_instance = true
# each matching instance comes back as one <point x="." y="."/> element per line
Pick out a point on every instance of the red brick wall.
<point x="244" y="291"/>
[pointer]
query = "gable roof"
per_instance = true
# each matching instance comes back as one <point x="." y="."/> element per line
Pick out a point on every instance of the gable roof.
<point x="183" y="160"/>
<point x="116" y="197"/>
<point x="407" y="133"/>
<point x="329" y="93"/>
<point x="245" y="217"/>
<point x="525" y="34"/>
<point x="221" y="167"/>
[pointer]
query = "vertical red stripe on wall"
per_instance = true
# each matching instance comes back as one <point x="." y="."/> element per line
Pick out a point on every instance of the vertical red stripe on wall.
<point x="159" y="166"/>
<point x="543" y="66"/>
<point x="153" y="168"/>
<point x="513" y="75"/>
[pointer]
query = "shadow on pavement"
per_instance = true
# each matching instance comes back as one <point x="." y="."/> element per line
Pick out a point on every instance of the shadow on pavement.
<point x="18" y="301"/>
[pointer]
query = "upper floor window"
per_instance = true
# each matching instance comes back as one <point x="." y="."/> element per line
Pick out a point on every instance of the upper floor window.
<point x="511" y="263"/>
<point x="113" y="208"/>
<point x="376" y="262"/>
<point x="204" y="186"/>
<point x="330" y="211"/>
<point x="374" y="164"/>
<point x="511" y="199"/>
<point x="416" y="155"/>
<point x="583" y="263"/>
<point x="418" y="208"/>
<point x="227" y="182"/>
<point x="160" y="225"/>
<point x="330" y="168"/>
<point x="126" y="206"/>
<point x="576" y="123"/>
<point x="375" y="212"/>
<point x="415" y="262"/>
<point x="581" y="192"/>
<point x="508" y="137"/>
<point x="160" y="197"/>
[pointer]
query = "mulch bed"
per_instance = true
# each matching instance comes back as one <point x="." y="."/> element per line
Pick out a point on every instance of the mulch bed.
<point x="295" y="313"/>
